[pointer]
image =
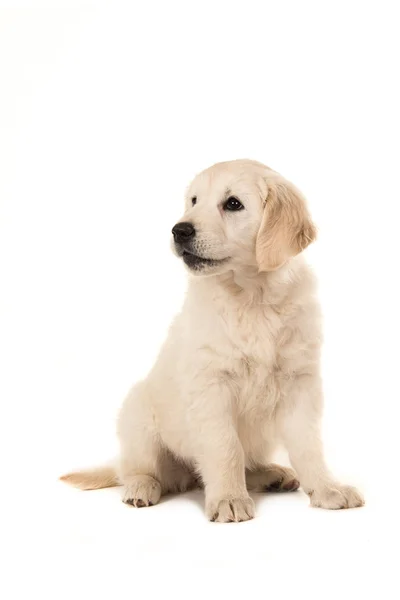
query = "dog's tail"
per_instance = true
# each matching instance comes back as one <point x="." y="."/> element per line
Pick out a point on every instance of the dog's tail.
<point x="93" y="479"/>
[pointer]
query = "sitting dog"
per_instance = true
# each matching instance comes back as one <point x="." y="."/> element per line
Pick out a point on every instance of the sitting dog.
<point x="239" y="372"/>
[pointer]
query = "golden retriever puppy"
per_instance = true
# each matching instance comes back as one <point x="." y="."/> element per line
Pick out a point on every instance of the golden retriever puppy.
<point x="240" y="370"/>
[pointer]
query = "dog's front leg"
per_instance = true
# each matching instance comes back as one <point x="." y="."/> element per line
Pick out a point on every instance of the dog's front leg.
<point x="219" y="456"/>
<point x="301" y="433"/>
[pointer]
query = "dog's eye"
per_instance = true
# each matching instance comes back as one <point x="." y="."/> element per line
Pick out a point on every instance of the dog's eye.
<point x="233" y="204"/>
<point x="194" y="200"/>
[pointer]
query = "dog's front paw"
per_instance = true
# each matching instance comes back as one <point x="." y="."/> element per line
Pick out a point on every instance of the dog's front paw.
<point x="141" y="490"/>
<point x="335" y="497"/>
<point x="231" y="510"/>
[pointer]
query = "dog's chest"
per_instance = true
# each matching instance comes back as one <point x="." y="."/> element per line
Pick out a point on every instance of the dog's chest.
<point x="254" y="333"/>
<point x="240" y="342"/>
<point x="255" y="338"/>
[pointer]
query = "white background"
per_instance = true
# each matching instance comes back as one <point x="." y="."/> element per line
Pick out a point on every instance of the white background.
<point x="107" y="110"/>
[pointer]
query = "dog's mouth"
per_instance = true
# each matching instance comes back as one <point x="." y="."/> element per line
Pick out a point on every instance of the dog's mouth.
<point x="194" y="261"/>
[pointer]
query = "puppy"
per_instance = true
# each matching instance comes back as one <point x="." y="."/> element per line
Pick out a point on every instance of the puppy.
<point x="240" y="370"/>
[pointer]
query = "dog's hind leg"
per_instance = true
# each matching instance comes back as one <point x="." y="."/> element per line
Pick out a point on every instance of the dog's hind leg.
<point x="141" y="451"/>
<point x="176" y="476"/>
<point x="273" y="478"/>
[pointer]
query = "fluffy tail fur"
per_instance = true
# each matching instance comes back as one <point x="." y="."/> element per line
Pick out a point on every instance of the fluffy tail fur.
<point x="94" y="479"/>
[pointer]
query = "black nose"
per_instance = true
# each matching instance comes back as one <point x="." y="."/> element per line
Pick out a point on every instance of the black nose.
<point x="182" y="232"/>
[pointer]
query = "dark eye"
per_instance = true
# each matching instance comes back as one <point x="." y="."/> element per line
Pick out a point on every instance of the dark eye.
<point x="194" y="200"/>
<point x="233" y="204"/>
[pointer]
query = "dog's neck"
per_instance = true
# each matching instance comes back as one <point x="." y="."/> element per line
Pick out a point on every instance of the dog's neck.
<point x="250" y="286"/>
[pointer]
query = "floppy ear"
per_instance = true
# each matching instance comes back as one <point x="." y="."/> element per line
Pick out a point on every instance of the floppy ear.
<point x="286" y="228"/>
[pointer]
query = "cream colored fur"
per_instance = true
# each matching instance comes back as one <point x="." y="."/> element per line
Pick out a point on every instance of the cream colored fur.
<point x="240" y="370"/>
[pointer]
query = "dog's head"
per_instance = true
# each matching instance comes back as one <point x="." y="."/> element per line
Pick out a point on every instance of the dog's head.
<point x="241" y="214"/>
